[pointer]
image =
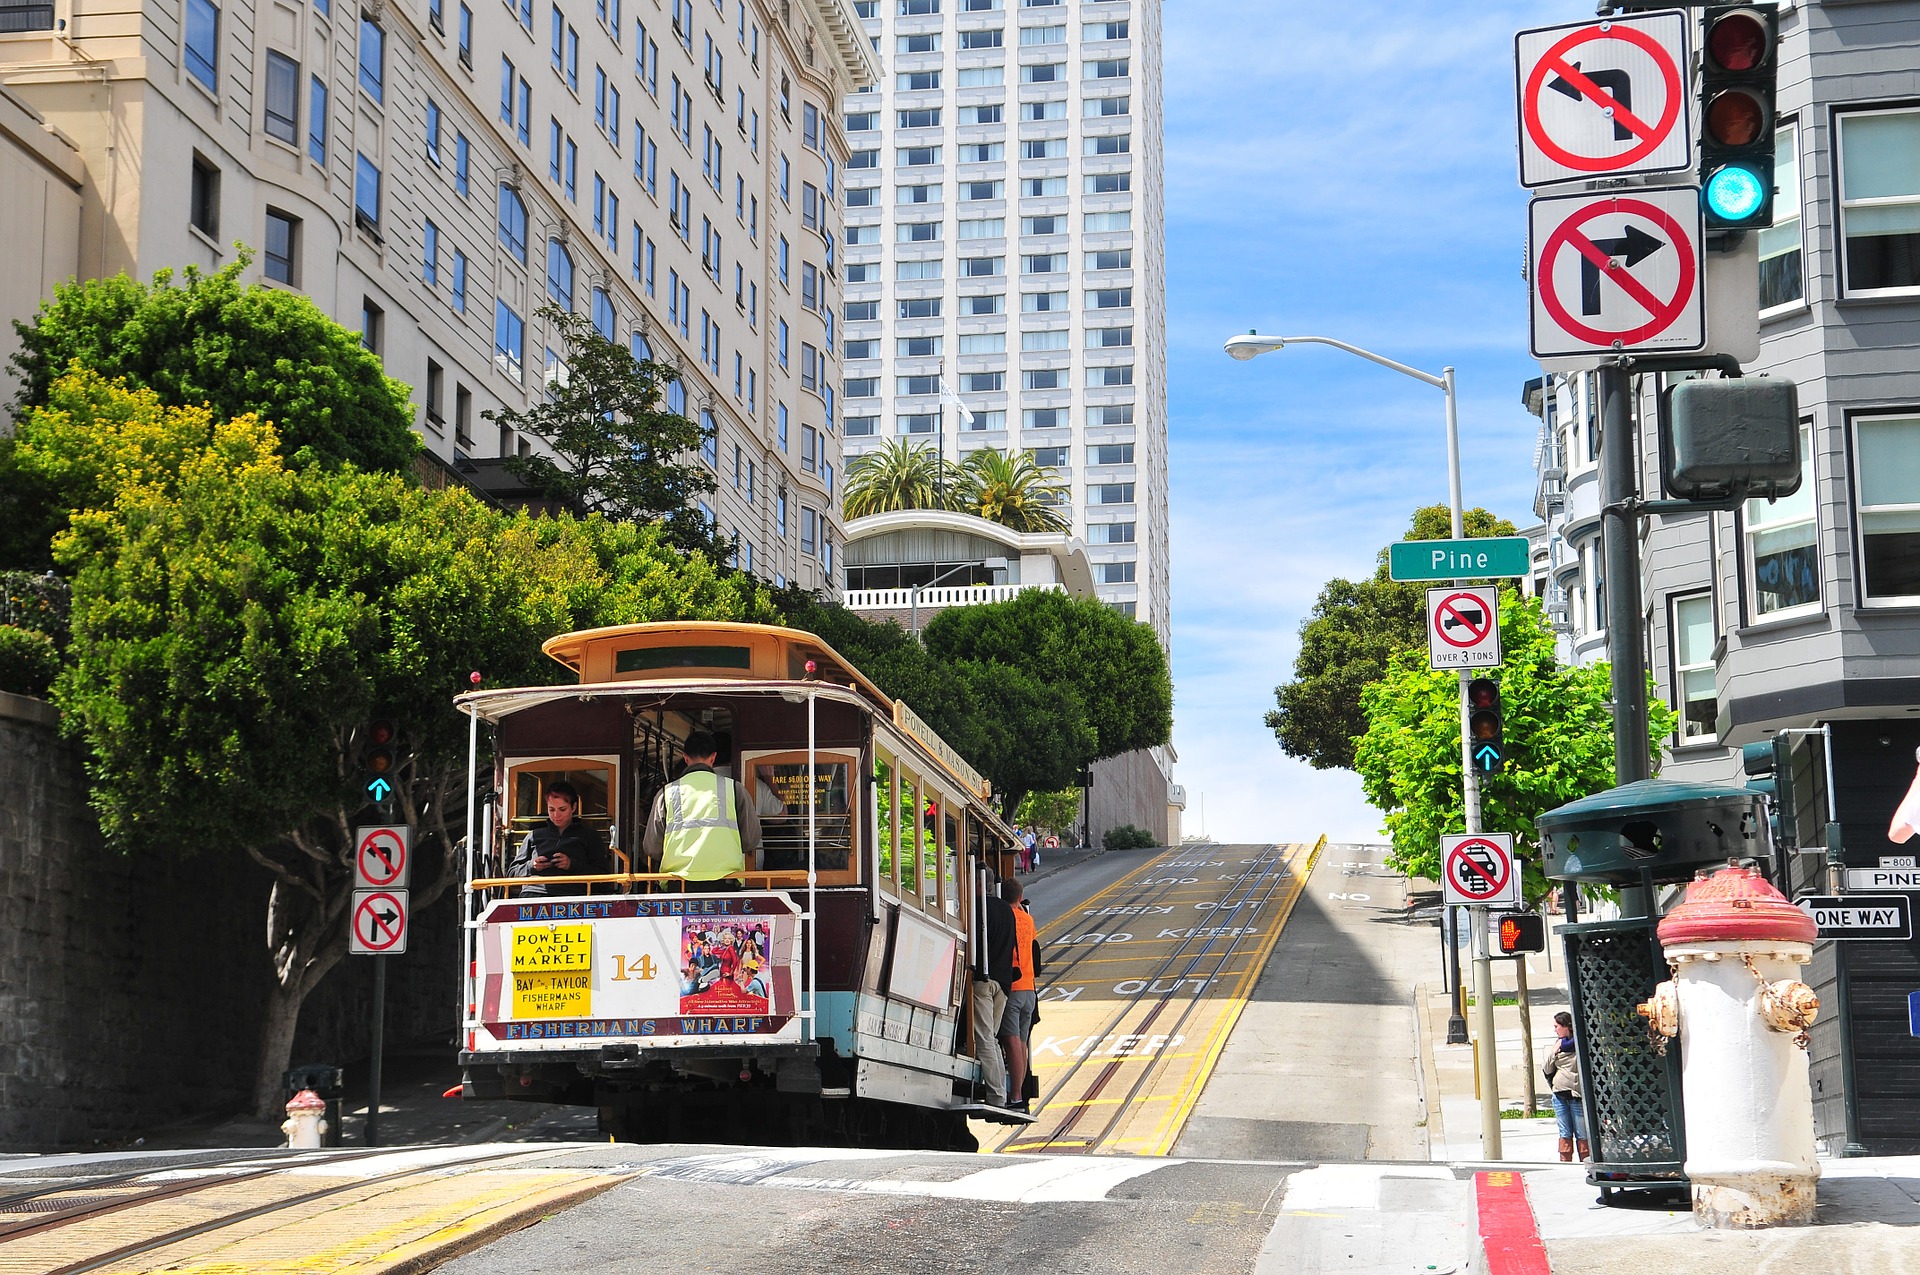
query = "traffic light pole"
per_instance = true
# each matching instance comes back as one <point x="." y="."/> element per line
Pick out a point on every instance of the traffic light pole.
<point x="1485" y="1057"/>
<point x="1626" y="637"/>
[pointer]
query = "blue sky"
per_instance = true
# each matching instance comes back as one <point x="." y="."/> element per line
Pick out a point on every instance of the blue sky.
<point x="1344" y="170"/>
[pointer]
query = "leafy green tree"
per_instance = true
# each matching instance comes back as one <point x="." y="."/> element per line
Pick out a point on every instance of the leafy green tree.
<point x="1089" y="658"/>
<point x="235" y="622"/>
<point x="1011" y="489"/>
<point x="1559" y="736"/>
<point x="1057" y="811"/>
<point x="1355" y="627"/>
<point x="898" y="474"/>
<point x="209" y="340"/>
<point x="617" y="451"/>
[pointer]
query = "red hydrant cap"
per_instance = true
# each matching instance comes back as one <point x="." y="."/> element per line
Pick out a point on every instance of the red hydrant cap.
<point x="306" y="1100"/>
<point x="1732" y="905"/>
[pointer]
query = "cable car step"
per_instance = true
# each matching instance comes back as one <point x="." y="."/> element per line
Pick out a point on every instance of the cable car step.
<point x="993" y="1114"/>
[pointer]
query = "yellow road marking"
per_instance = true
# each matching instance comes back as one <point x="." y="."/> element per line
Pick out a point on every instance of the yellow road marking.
<point x="1093" y="1032"/>
<point x="1236" y="1003"/>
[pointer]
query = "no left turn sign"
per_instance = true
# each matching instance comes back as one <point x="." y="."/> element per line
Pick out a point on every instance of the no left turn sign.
<point x="1603" y="99"/>
<point x="1478" y="870"/>
<point x="1463" y="628"/>
<point x="381" y="856"/>
<point x="379" y="922"/>
<point x="1616" y="272"/>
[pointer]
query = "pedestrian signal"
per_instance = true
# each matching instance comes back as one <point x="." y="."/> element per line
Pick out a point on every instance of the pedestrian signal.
<point x="1486" y="731"/>
<point x="1522" y="932"/>
<point x="1738" y="69"/>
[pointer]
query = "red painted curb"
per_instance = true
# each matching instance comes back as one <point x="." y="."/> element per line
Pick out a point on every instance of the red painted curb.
<point x="1508" y="1233"/>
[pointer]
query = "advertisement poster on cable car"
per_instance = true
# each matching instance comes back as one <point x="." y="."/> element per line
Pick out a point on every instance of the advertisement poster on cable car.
<point x="723" y="966"/>
<point x="665" y="969"/>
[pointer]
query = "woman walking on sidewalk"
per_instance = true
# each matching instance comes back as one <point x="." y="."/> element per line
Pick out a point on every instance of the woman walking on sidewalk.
<point x="1562" y="1070"/>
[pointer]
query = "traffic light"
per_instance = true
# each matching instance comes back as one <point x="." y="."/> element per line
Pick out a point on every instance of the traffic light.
<point x="1522" y="932"/>
<point x="1486" y="730"/>
<point x="1768" y="766"/>
<point x="379" y="757"/>
<point x="1739" y="63"/>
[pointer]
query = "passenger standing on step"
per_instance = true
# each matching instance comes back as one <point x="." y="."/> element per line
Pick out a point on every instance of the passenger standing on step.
<point x="1562" y="1070"/>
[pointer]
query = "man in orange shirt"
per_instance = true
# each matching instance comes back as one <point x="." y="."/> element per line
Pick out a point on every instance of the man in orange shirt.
<point x="1016" y="1024"/>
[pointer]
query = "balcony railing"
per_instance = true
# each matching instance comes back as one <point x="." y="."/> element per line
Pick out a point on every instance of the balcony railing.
<point x="958" y="595"/>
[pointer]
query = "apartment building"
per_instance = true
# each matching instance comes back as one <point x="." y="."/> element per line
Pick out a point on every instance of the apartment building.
<point x="1802" y="614"/>
<point x="431" y="172"/>
<point x="1006" y="276"/>
<point x="1004" y="234"/>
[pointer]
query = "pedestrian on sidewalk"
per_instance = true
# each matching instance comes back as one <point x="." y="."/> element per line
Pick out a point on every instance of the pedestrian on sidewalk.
<point x="1562" y="1070"/>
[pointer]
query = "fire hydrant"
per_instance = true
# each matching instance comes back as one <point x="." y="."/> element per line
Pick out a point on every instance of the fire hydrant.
<point x="1733" y="945"/>
<point x="305" y="1124"/>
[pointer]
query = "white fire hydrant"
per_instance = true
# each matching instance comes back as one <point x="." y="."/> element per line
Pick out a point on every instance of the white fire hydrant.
<point x="1734" y="945"/>
<point x="305" y="1124"/>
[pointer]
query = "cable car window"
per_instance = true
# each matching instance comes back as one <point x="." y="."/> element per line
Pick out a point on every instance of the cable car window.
<point x="647" y="658"/>
<point x="530" y="784"/>
<point x="886" y="802"/>
<point x="780" y="799"/>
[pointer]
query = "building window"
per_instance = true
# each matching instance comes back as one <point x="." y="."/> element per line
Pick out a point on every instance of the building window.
<point x="513" y="223"/>
<point x="366" y="194"/>
<point x="462" y="415"/>
<point x="283" y="98"/>
<point x="203" y="208"/>
<point x="1782" y="546"/>
<point x="1780" y="271"/>
<point x="603" y="316"/>
<point x="436" y="386"/>
<point x="283" y="248"/>
<point x="466" y="36"/>
<point x="1880" y="200"/>
<point x="317" y="122"/>
<point x="461" y="165"/>
<point x="1887" y="486"/>
<point x="430" y="255"/>
<point x="560" y="275"/>
<point x="509" y="339"/>
<point x="1693" y="687"/>
<point x="1111" y="494"/>
<point x="373" y="58"/>
<point x="1116" y="572"/>
<point x="203" y="43"/>
<point x="459" y="281"/>
<point x="372" y="321"/>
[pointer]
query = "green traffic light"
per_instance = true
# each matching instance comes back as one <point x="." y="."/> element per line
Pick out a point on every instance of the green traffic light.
<point x="1735" y="193"/>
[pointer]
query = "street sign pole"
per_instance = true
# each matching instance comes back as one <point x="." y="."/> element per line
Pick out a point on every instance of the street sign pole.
<point x="1470" y="801"/>
<point x="379" y="1032"/>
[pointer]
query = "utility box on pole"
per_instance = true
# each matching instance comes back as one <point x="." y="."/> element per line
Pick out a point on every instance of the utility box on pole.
<point x="1731" y="438"/>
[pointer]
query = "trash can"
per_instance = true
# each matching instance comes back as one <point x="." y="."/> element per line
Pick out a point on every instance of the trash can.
<point x="328" y="1083"/>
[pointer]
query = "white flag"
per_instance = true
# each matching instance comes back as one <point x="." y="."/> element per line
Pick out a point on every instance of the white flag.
<point x="960" y="409"/>
<point x="1906" y="819"/>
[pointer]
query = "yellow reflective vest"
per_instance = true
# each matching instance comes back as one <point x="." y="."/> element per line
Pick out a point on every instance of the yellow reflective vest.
<point x="702" y="831"/>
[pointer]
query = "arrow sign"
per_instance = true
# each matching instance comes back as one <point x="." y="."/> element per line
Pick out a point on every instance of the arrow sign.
<point x="1616" y="272"/>
<point x="1603" y="99"/>
<point x="379" y="923"/>
<point x="379" y="789"/>
<point x="381" y="857"/>
<point x="1617" y="88"/>
<point x="1487" y="758"/>
<point x="1634" y="247"/>
<point x="1860" y="916"/>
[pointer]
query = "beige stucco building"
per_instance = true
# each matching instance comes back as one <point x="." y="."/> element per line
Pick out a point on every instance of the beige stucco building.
<point x="431" y="171"/>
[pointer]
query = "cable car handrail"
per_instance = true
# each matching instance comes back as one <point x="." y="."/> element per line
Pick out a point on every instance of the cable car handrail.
<point x="633" y="878"/>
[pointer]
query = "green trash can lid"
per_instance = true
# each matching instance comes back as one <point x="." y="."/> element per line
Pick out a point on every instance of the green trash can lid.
<point x="1642" y="797"/>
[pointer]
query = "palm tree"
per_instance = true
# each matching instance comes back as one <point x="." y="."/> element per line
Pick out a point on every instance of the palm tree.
<point x="1010" y="489"/>
<point x="897" y="475"/>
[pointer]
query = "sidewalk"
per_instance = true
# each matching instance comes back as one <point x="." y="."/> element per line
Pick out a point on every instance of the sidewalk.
<point x="1869" y="1209"/>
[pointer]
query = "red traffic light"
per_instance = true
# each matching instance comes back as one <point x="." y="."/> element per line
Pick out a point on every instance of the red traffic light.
<point x="1736" y="118"/>
<point x="380" y="732"/>
<point x="1737" y="41"/>
<point x="1483" y="692"/>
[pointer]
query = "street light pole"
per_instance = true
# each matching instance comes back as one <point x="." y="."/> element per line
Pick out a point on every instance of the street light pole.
<point x="1250" y="346"/>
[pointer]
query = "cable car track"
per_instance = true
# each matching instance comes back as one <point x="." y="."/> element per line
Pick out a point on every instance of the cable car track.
<point x="1187" y="983"/>
<point x="379" y="1184"/>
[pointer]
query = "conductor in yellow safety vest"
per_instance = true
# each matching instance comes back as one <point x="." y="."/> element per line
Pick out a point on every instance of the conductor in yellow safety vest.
<point x="702" y="826"/>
